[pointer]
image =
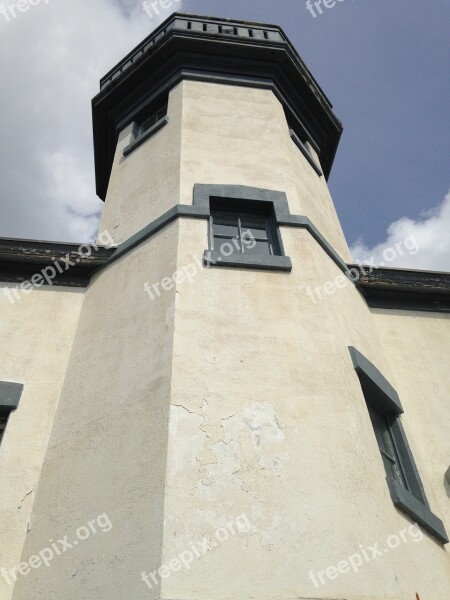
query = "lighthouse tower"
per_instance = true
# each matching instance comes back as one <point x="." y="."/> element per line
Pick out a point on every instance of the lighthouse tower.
<point x="242" y="413"/>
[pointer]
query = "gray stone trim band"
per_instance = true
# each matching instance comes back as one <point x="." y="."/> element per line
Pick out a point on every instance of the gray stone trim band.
<point x="305" y="223"/>
<point x="388" y="401"/>
<point x="10" y="394"/>
<point x="147" y="135"/>
<point x="201" y="210"/>
<point x="203" y="192"/>
<point x="304" y="150"/>
<point x="180" y="210"/>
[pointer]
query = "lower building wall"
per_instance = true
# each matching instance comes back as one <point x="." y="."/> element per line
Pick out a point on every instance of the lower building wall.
<point x="213" y="443"/>
<point x="103" y="476"/>
<point x="417" y="345"/>
<point x="36" y="335"/>
<point x="268" y="426"/>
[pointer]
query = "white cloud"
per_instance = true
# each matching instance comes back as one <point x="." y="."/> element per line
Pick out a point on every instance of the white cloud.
<point x="422" y="244"/>
<point x="51" y="60"/>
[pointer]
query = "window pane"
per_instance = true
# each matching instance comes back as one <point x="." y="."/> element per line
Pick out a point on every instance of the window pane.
<point x="224" y="224"/>
<point x="389" y="467"/>
<point x="254" y="247"/>
<point x="393" y="450"/>
<point x="255" y="226"/>
<point x="378" y="426"/>
<point x="152" y="119"/>
<point x="2" y="426"/>
<point x="227" y="247"/>
<point x="387" y="447"/>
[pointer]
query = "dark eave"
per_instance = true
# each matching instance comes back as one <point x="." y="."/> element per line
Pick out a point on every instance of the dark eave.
<point x="401" y="289"/>
<point x="21" y="259"/>
<point x="209" y="49"/>
<point x="405" y="289"/>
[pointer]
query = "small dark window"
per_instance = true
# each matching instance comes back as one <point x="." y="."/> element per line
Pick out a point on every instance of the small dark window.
<point x="243" y="233"/>
<point x="403" y="479"/>
<point x="382" y="426"/>
<point x="3" y="421"/>
<point x="148" y="122"/>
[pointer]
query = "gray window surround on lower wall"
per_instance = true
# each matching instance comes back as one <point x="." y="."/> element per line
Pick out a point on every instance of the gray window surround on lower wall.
<point x="137" y="141"/>
<point x="10" y="394"/>
<point x="388" y="402"/>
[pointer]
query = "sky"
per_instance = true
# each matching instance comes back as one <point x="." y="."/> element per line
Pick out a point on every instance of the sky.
<point x="384" y="65"/>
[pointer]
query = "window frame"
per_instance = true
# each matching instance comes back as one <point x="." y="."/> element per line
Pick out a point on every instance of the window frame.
<point x="10" y="394"/>
<point x="406" y="490"/>
<point x="270" y="238"/>
<point x="140" y="136"/>
<point x="3" y="425"/>
<point x="256" y="201"/>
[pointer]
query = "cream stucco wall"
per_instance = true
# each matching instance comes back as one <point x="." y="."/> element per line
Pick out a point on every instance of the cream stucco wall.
<point x="217" y="134"/>
<point x="268" y="419"/>
<point x="36" y="335"/>
<point x="107" y="451"/>
<point x="232" y="393"/>
<point x="145" y="184"/>
<point x="238" y="135"/>
<point x="417" y="345"/>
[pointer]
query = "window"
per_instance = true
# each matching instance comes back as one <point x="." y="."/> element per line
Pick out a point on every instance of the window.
<point x="403" y="479"/>
<point x="146" y="126"/>
<point x="301" y="140"/>
<point x="3" y="421"/>
<point x="150" y="121"/>
<point x="242" y="233"/>
<point x="10" y="394"/>
<point x="386" y="444"/>
<point x="244" y="227"/>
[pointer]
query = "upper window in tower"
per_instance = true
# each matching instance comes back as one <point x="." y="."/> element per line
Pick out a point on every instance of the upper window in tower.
<point x="146" y="126"/>
<point x="149" y="121"/>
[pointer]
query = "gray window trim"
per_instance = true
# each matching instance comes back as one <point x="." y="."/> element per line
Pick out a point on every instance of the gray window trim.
<point x="237" y="196"/>
<point x="269" y="263"/>
<point x="384" y="399"/>
<point x="140" y="139"/>
<point x="10" y="394"/>
<point x="388" y="401"/>
<point x="200" y="210"/>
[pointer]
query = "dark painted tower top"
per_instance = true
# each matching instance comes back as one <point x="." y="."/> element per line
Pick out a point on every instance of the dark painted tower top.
<point x="217" y="50"/>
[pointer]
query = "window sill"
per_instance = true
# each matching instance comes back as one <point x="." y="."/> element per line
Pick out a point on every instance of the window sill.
<point x="409" y="504"/>
<point x="213" y="258"/>
<point x="147" y="135"/>
<point x="297" y="141"/>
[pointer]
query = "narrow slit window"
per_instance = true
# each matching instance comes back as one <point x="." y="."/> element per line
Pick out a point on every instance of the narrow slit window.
<point x="3" y="421"/>
<point x="150" y="121"/>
